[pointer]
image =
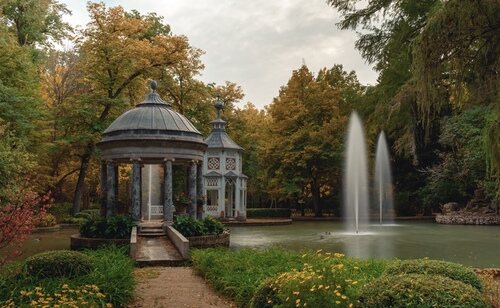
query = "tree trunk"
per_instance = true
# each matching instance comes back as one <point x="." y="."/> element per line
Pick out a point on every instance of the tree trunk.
<point x="84" y="166"/>
<point x="316" y="196"/>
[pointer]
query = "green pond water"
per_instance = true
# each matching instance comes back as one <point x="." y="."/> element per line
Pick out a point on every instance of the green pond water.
<point x="470" y="245"/>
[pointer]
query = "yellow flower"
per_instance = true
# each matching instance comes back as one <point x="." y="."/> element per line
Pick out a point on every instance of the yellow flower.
<point x="344" y="297"/>
<point x="337" y="302"/>
<point x="351" y="305"/>
<point x="354" y="282"/>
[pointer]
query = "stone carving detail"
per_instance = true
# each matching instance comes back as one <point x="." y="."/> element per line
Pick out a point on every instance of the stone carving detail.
<point x="230" y="164"/>
<point x="213" y="163"/>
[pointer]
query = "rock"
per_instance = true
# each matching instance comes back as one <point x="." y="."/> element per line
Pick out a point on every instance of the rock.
<point x="449" y="208"/>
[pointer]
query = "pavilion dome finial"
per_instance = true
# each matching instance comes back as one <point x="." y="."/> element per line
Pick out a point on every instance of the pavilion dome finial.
<point x="153" y="85"/>
<point x="218" y="105"/>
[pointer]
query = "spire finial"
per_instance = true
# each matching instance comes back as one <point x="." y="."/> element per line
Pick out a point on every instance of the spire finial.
<point x="218" y="105"/>
<point x="153" y="85"/>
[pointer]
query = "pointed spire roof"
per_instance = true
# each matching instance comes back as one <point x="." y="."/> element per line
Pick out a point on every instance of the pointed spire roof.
<point x="218" y="138"/>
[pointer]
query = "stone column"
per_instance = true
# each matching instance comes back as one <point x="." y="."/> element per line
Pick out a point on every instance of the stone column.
<point x="200" y="189"/>
<point x="136" y="190"/>
<point x="222" y="198"/>
<point x="168" y="204"/>
<point x="102" y="187"/>
<point x="237" y="194"/>
<point x="192" y="190"/>
<point x="110" y="187"/>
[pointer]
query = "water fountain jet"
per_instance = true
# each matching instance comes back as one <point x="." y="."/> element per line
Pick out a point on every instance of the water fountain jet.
<point x="383" y="178"/>
<point x="355" y="176"/>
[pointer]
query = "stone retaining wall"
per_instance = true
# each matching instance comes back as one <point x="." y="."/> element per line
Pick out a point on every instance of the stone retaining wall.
<point x="78" y="242"/>
<point x="460" y="219"/>
<point x="207" y="241"/>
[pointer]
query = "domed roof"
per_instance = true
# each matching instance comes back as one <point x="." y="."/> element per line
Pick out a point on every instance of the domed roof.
<point x="152" y="129"/>
<point x="152" y="116"/>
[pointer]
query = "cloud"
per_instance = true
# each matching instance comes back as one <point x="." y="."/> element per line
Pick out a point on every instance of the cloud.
<point x="256" y="43"/>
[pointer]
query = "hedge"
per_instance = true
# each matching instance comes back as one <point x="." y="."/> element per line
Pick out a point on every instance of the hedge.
<point x="451" y="270"/>
<point x="413" y="290"/>
<point x="268" y="212"/>
<point x="59" y="263"/>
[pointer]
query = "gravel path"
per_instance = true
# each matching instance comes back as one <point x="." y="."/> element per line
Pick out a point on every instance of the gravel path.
<point x="174" y="287"/>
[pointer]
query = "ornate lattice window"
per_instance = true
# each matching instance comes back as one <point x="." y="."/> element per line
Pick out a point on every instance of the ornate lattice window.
<point x="213" y="163"/>
<point x="230" y="163"/>
<point x="212" y="182"/>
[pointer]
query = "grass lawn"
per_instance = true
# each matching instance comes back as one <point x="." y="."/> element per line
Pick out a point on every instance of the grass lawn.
<point x="280" y="278"/>
<point x="109" y="283"/>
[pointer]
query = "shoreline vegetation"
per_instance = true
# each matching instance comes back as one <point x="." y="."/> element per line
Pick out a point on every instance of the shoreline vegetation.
<point x="277" y="277"/>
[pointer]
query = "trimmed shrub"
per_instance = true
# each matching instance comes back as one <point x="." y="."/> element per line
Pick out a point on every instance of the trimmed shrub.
<point x="189" y="226"/>
<point x="114" y="227"/>
<point x="46" y="220"/>
<point x="451" y="270"/>
<point x="59" y="263"/>
<point x="267" y="212"/>
<point x="420" y="291"/>
<point x="213" y="226"/>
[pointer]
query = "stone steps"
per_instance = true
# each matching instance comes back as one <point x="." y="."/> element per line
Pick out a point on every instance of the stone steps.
<point x="157" y="251"/>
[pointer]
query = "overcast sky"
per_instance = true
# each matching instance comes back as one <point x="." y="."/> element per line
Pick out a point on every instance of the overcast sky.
<point x="256" y="44"/>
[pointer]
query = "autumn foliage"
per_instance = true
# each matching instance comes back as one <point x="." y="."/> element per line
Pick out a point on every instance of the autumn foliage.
<point x="17" y="220"/>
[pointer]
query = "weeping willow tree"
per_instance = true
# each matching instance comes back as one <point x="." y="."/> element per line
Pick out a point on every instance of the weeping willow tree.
<point x="456" y="62"/>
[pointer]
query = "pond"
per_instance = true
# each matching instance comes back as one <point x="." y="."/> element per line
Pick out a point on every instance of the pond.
<point x="470" y="245"/>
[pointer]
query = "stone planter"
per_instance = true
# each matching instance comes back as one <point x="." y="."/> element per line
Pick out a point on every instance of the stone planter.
<point x="208" y="241"/>
<point x="78" y="242"/>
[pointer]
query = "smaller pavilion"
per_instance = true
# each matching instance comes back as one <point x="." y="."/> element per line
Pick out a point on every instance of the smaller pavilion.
<point x="151" y="138"/>
<point x="225" y="185"/>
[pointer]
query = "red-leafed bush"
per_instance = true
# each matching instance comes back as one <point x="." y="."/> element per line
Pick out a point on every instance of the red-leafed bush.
<point x="17" y="220"/>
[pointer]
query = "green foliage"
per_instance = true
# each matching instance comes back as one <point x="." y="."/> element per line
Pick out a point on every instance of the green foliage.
<point x="212" y="226"/>
<point x="462" y="167"/>
<point x="189" y="226"/>
<point x="117" y="227"/>
<point x="72" y="220"/>
<point x="112" y="274"/>
<point x="46" y="220"/>
<point x="59" y="263"/>
<point x="238" y="273"/>
<point x="420" y="291"/>
<point x="268" y="212"/>
<point x="279" y="278"/>
<point x="83" y="215"/>
<point x="451" y="270"/>
<point x="324" y="280"/>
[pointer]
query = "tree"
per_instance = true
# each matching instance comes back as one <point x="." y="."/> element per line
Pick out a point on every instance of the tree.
<point x="305" y="148"/>
<point x="250" y="129"/>
<point x="36" y="21"/>
<point x="118" y="51"/>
